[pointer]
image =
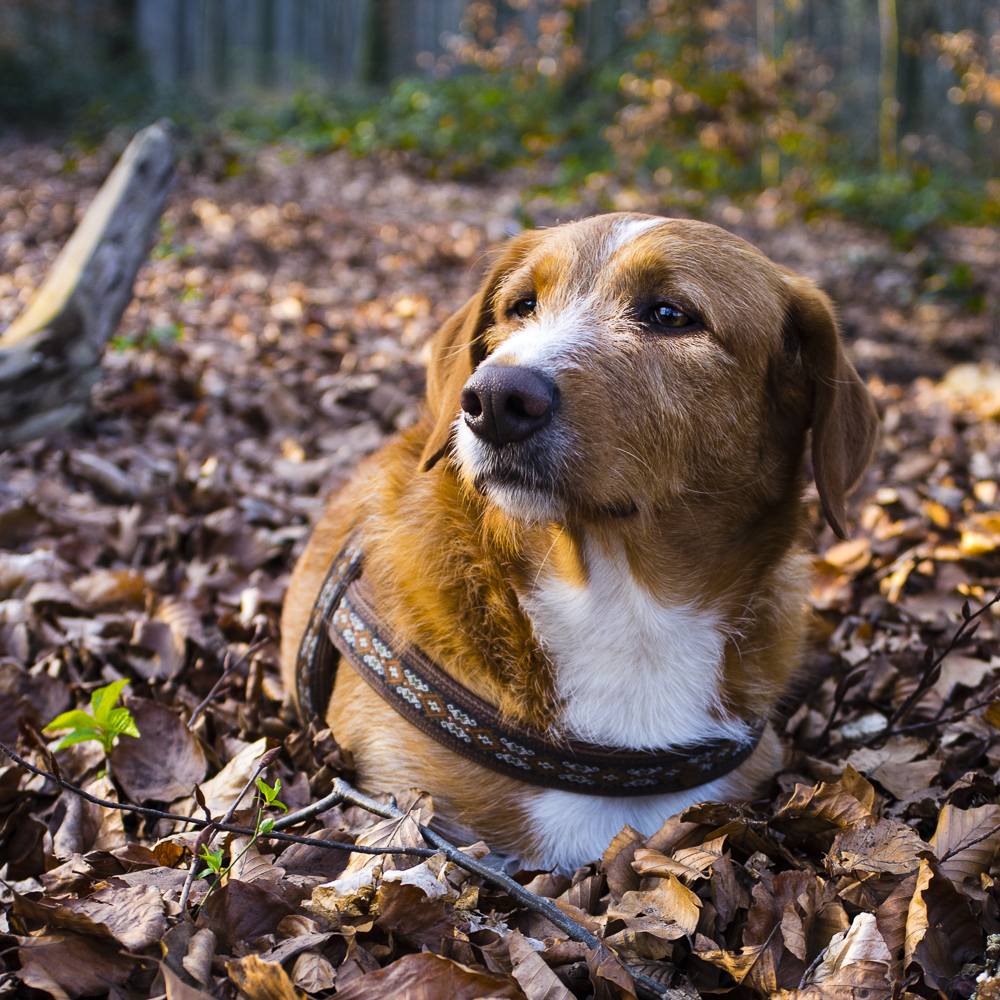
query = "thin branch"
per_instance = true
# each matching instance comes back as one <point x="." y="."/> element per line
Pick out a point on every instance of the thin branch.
<point x="646" y="987"/>
<point x="332" y="845"/>
<point x="227" y="669"/>
<point x="932" y="671"/>
<point x="203" y="838"/>
<point x="965" y="846"/>
<point x="307" y="812"/>
<point x="266" y="760"/>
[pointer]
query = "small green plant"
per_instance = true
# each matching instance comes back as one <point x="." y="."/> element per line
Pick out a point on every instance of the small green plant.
<point x="103" y="726"/>
<point x="150" y="339"/>
<point x="267" y="797"/>
<point x="165" y="248"/>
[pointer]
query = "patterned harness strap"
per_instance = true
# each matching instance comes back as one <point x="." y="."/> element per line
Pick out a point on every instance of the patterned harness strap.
<point x="427" y="697"/>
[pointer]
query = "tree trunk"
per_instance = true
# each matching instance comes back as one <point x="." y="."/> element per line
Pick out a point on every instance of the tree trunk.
<point x="888" y="107"/>
<point x="50" y="356"/>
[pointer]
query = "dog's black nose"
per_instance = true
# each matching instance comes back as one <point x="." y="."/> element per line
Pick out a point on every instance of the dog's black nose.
<point x="504" y="404"/>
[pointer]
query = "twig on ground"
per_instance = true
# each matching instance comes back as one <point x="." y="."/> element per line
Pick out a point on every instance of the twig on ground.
<point x="307" y="812"/>
<point x="227" y="669"/>
<point x="646" y="986"/>
<point x="332" y="845"/>
<point x="266" y="760"/>
<point x="203" y="838"/>
<point x="932" y="670"/>
<point x="845" y="685"/>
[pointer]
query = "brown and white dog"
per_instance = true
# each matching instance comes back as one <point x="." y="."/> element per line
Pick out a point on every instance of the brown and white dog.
<point x="596" y="525"/>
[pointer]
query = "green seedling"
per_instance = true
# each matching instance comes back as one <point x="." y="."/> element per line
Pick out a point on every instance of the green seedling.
<point x="270" y="795"/>
<point x="103" y="726"/>
<point x="213" y="859"/>
<point x="267" y="796"/>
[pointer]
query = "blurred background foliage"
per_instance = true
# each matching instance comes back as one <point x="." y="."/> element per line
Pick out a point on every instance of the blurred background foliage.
<point x="885" y="110"/>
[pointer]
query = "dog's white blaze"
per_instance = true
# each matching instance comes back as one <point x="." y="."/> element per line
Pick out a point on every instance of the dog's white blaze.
<point x="622" y="233"/>
<point x="547" y="342"/>
<point x="629" y="670"/>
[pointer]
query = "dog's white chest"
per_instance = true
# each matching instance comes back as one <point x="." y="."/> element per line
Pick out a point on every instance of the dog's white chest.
<point x="629" y="671"/>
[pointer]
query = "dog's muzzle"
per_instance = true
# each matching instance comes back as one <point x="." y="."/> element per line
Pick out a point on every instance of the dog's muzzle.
<point x="503" y="404"/>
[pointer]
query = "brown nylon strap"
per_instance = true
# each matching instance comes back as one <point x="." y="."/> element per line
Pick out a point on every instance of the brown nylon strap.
<point x="436" y="704"/>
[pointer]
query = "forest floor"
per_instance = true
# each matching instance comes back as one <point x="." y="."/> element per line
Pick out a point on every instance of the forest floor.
<point x="277" y="336"/>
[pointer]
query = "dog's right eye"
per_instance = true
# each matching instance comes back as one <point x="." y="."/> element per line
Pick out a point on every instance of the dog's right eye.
<point x="523" y="308"/>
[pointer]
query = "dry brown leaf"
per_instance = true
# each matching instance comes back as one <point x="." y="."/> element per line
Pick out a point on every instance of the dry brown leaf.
<point x="87" y="826"/>
<point x="105" y="589"/>
<point x="134" y="917"/>
<point x="252" y="866"/>
<point x="260" y="980"/>
<point x="430" y="977"/>
<point x="966" y="841"/>
<point x="654" y="863"/>
<point x="166" y="763"/>
<point x="411" y="915"/>
<point x="177" y="989"/>
<point x="220" y="792"/>
<point x="312" y="972"/>
<point x="608" y="974"/>
<point x="241" y="912"/>
<point x="893" y="765"/>
<point x="537" y="980"/>
<point x="728" y="894"/>
<point x="75" y="964"/>
<point x="891" y="918"/>
<point x="827" y="806"/>
<point x="880" y="847"/>
<point x="670" y="900"/>
<point x="197" y="962"/>
<point x="941" y="932"/>
<point x="703" y="857"/>
<point x="965" y="670"/>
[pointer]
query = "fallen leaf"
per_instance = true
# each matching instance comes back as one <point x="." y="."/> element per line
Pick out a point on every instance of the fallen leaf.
<point x="537" y="980"/>
<point x="166" y="763"/>
<point x="134" y="917"/>
<point x="260" y="980"/>
<point x="221" y="791"/>
<point x="198" y="960"/>
<point x="880" y="847"/>
<point x="428" y="976"/>
<point x="941" y="932"/>
<point x="312" y="972"/>
<point x="77" y="965"/>
<point x="966" y="841"/>
<point x="177" y="989"/>
<point x="670" y="900"/>
<point x="893" y="765"/>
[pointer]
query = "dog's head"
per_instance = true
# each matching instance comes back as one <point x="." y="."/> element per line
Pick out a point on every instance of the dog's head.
<point x="629" y="362"/>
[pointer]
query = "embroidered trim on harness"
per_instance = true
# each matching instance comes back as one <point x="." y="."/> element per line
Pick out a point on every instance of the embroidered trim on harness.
<point x="434" y="702"/>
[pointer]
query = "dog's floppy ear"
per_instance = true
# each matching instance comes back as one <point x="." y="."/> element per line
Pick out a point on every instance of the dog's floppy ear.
<point x="845" y="422"/>
<point x="454" y="353"/>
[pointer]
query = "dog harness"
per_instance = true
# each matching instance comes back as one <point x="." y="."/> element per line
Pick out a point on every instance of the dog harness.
<point x="343" y="620"/>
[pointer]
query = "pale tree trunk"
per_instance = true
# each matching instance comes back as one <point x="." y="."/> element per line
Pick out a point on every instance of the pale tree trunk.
<point x="888" y="107"/>
<point x="50" y="356"/>
<point x="770" y="166"/>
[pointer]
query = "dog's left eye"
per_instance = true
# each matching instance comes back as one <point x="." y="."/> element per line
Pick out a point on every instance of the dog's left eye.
<point x="523" y="307"/>
<point x="669" y="317"/>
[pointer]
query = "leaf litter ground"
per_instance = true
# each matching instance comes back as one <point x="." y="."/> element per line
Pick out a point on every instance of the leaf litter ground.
<point x="276" y="338"/>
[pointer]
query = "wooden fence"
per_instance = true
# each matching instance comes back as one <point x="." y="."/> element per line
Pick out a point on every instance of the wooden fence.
<point x="224" y="46"/>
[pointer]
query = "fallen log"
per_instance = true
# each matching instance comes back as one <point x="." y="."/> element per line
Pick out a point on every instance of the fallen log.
<point x="50" y="355"/>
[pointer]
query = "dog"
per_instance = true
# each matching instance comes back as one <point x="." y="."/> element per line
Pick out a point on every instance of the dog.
<point x="596" y="526"/>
